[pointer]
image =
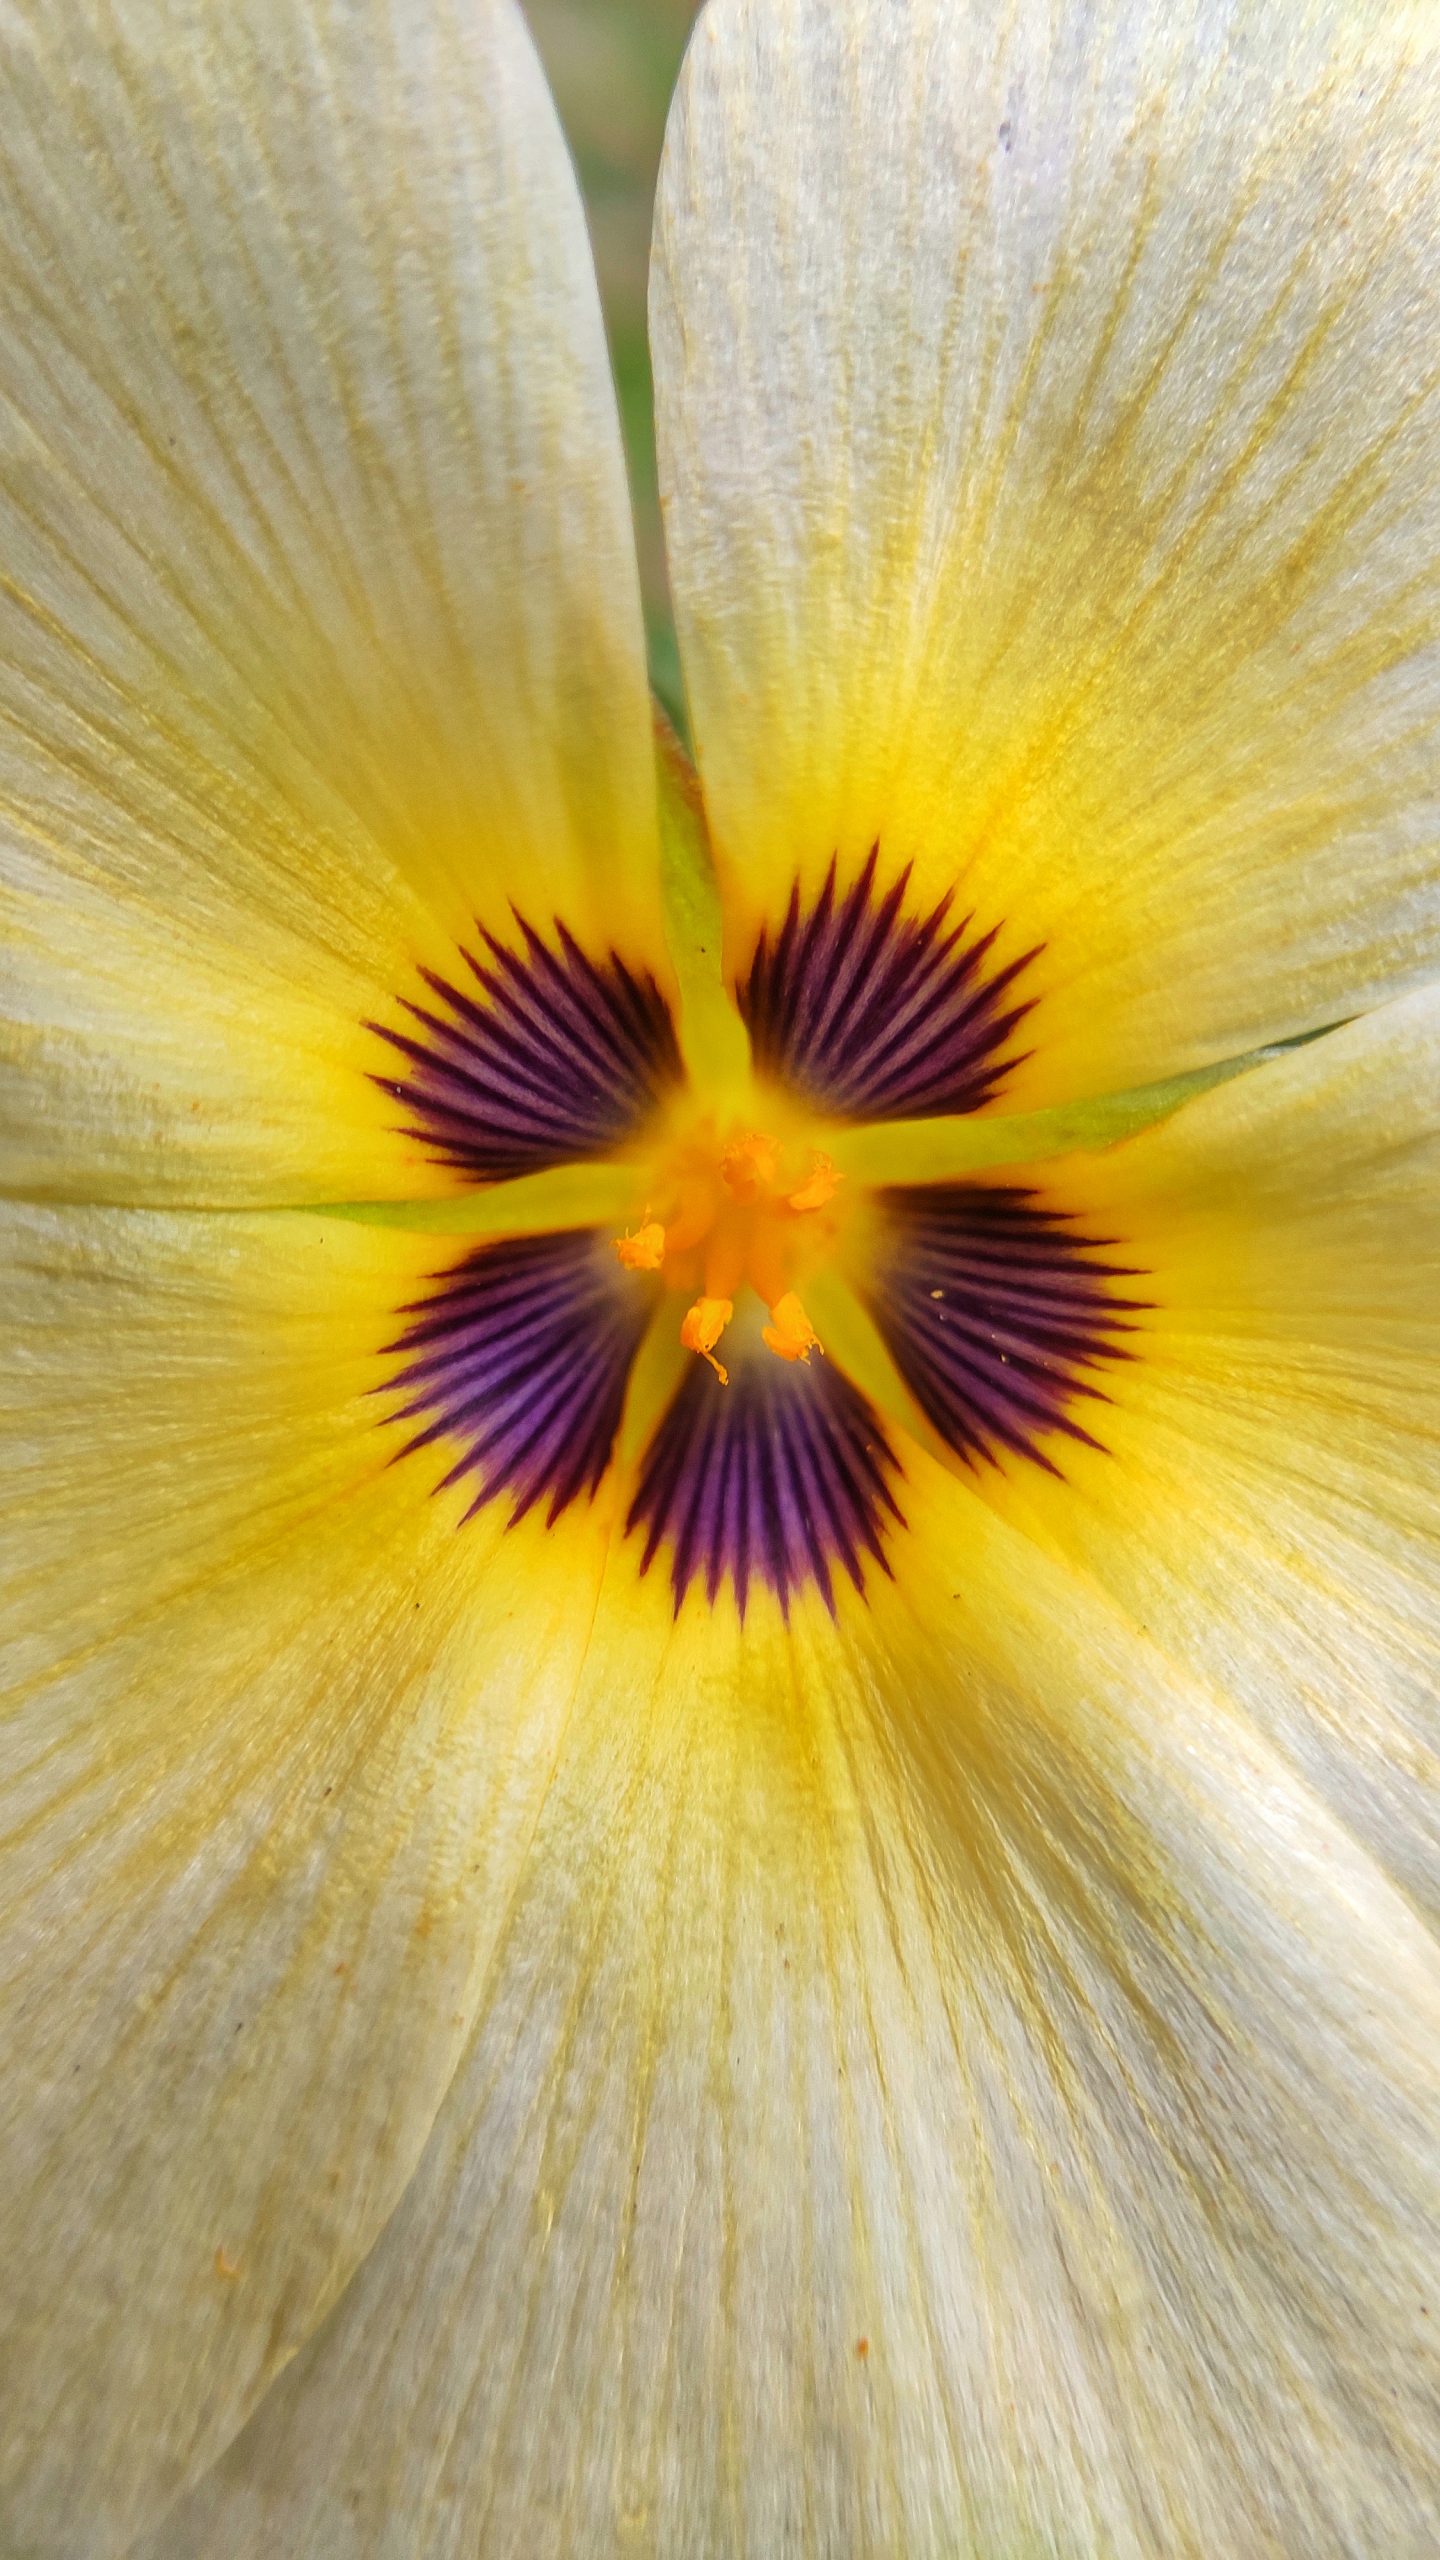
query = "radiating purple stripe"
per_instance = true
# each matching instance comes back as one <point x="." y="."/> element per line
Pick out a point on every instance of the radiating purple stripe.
<point x="519" y="1359"/>
<point x="557" y="1057"/>
<point x="876" y="1014"/>
<point x="782" y="1478"/>
<point x="996" y="1311"/>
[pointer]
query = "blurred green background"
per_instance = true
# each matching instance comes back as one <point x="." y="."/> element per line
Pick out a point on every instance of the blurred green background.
<point x="612" y="66"/>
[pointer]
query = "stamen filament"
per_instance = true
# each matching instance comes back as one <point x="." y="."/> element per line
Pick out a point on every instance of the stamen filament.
<point x="701" y="1330"/>
<point x="790" y="1334"/>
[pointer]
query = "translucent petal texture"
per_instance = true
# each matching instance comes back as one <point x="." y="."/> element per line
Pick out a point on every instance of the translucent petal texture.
<point x="1270" y="1509"/>
<point x="1049" y="428"/>
<point x="946" y="2086"/>
<point x="319" y="629"/>
<point x="274" y="1737"/>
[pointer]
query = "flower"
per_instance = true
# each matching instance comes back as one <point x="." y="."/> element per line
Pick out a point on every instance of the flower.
<point x="720" y="1830"/>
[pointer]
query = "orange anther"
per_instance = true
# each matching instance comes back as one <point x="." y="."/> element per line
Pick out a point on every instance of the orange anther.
<point x="704" y="1323"/>
<point x="791" y="1336"/>
<point x="820" y="1184"/>
<point x="644" y="1251"/>
<point x="749" y="1164"/>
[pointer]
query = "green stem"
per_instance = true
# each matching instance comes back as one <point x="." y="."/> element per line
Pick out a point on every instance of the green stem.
<point x="712" y="1035"/>
<point x="944" y="1150"/>
<point x="567" y="1195"/>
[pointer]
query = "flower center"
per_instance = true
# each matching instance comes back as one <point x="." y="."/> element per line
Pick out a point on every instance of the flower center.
<point x="983" y="1314"/>
<point x="731" y="1208"/>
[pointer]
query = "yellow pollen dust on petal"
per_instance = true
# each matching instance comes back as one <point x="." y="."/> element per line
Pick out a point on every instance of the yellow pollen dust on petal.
<point x="645" y="1250"/>
<point x="790" y="1333"/>
<point x="701" y="1330"/>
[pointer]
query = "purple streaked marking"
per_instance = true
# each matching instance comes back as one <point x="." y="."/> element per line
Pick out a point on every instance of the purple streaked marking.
<point x="521" y="1354"/>
<point x="874" y="1014"/>
<point x="551" y="1057"/>
<point x="782" y="1478"/>
<point x="995" y="1310"/>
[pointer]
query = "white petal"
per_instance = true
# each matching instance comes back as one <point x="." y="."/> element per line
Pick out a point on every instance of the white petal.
<point x="1268" y="1505"/>
<point x="1049" y="409"/>
<point x="945" y="2087"/>
<point x="319" y="621"/>
<point x="274" y="1735"/>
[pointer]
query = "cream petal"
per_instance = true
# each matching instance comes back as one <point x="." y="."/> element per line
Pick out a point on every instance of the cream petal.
<point x="319" y="620"/>
<point x="946" y="2086"/>
<point x="1268" y="1502"/>
<point x="273" y="1737"/>
<point x="1049" y="416"/>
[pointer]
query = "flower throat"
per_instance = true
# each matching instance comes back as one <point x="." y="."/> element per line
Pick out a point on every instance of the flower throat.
<point x="764" y="1464"/>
